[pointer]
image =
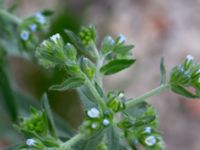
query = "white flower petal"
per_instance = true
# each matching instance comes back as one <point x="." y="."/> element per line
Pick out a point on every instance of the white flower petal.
<point x="93" y="113"/>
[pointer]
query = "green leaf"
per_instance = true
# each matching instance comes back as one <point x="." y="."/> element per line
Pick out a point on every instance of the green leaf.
<point x="76" y="41"/>
<point x="90" y="143"/>
<point x="70" y="83"/>
<point x="163" y="71"/>
<point x="47" y="13"/>
<point x="182" y="91"/>
<point x="117" y="65"/>
<point x="8" y="96"/>
<point x="113" y="139"/>
<point x="123" y="48"/>
<point x="49" y="115"/>
<point x="86" y="97"/>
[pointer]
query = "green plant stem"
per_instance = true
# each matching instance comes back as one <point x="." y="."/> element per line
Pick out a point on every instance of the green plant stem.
<point x="95" y="93"/>
<point x="153" y="92"/>
<point x="68" y="145"/>
<point x="10" y="17"/>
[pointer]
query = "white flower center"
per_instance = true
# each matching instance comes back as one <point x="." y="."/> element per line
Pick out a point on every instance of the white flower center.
<point x="189" y="57"/>
<point x="150" y="140"/>
<point x="40" y="18"/>
<point x="94" y="126"/>
<point x="30" y="142"/>
<point x="147" y="130"/>
<point x="106" y="122"/>
<point x="55" y="37"/>
<point x="122" y="38"/>
<point x="24" y="35"/>
<point x="33" y="27"/>
<point x="93" y="113"/>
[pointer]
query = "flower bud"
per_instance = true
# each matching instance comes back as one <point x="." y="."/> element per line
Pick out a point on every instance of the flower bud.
<point x="70" y="52"/>
<point x="88" y="67"/>
<point x="87" y="34"/>
<point x="93" y="113"/>
<point x="188" y="62"/>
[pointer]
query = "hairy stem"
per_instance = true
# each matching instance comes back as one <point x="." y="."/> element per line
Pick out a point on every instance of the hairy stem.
<point x="95" y="93"/>
<point x="68" y="145"/>
<point x="10" y="17"/>
<point x="153" y="92"/>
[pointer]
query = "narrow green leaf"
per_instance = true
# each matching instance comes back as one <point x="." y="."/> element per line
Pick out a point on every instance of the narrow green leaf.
<point x="76" y="41"/>
<point x="47" y="12"/>
<point x="163" y="71"/>
<point x="70" y="83"/>
<point x="123" y="48"/>
<point x="182" y="91"/>
<point x="8" y="96"/>
<point x="86" y="97"/>
<point x="49" y="115"/>
<point x="115" y="66"/>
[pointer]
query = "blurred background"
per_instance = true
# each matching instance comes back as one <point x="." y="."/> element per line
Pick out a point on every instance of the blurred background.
<point x="157" y="28"/>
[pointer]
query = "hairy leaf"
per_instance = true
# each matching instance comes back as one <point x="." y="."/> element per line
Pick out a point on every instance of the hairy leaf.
<point x="117" y="65"/>
<point x="113" y="139"/>
<point x="8" y="96"/>
<point x="163" y="71"/>
<point x="182" y="91"/>
<point x="49" y="115"/>
<point x="70" y="83"/>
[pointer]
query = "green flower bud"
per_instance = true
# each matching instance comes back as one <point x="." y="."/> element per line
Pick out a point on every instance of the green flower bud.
<point x="107" y="44"/>
<point x="114" y="101"/>
<point x="70" y="52"/>
<point x="88" y="67"/>
<point x="35" y="123"/>
<point x="87" y="35"/>
<point x="51" y="52"/>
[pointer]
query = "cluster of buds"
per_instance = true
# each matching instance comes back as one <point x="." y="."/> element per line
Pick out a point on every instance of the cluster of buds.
<point x="30" y="28"/>
<point x="115" y="101"/>
<point x="146" y="136"/>
<point x="186" y="75"/>
<point x="36" y="123"/>
<point x="88" y="67"/>
<point x="116" y="48"/>
<point x="87" y="35"/>
<point x="97" y="120"/>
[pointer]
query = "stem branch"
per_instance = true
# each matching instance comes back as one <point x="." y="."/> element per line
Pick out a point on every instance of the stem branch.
<point x="153" y="92"/>
<point x="68" y="145"/>
<point x="10" y="17"/>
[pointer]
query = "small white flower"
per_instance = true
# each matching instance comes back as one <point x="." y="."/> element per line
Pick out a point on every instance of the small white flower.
<point x="147" y="130"/>
<point x="189" y="57"/>
<point x="24" y="35"/>
<point x="55" y="37"/>
<point x="150" y="140"/>
<point x="44" y="43"/>
<point x="40" y="18"/>
<point x="198" y="71"/>
<point x="33" y="27"/>
<point x="106" y="122"/>
<point x="93" y="113"/>
<point x="122" y="38"/>
<point x="111" y="40"/>
<point x="121" y="95"/>
<point x="30" y="142"/>
<point x="94" y="126"/>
